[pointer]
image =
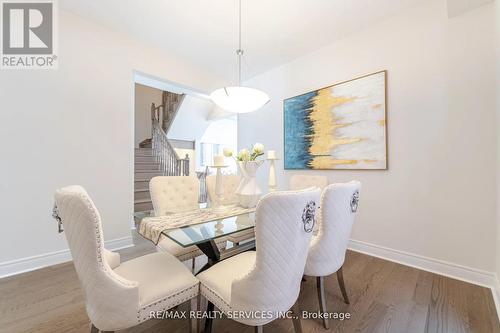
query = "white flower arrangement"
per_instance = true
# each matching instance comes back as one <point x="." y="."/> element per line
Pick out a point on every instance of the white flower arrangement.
<point x="244" y="155"/>
<point x="228" y="152"/>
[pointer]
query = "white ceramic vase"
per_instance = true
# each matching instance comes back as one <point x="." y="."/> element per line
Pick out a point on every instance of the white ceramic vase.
<point x="248" y="191"/>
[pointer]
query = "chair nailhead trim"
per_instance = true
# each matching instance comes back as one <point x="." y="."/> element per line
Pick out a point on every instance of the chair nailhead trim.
<point x="216" y="295"/>
<point x="165" y="299"/>
<point x="100" y="246"/>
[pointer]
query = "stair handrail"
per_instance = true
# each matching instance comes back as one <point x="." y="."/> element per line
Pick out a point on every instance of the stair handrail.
<point x="171" y="114"/>
<point x="170" y="162"/>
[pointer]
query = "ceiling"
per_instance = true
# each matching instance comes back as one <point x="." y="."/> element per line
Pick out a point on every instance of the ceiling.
<point x="204" y="32"/>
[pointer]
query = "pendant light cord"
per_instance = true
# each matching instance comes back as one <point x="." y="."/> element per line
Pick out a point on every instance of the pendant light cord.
<point x="239" y="52"/>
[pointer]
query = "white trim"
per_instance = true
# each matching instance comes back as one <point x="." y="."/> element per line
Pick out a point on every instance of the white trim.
<point x="119" y="243"/>
<point x="22" y="265"/>
<point x="441" y="267"/>
<point x="467" y="274"/>
<point x="167" y="85"/>
<point x="496" y="294"/>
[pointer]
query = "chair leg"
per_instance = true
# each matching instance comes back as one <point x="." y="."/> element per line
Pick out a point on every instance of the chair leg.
<point x="340" y="278"/>
<point x="193" y="265"/>
<point x="193" y="321"/>
<point x="297" y="326"/>
<point x="208" y="321"/>
<point x="94" y="329"/>
<point x="259" y="329"/>
<point x="320" y="284"/>
<point x="203" y="302"/>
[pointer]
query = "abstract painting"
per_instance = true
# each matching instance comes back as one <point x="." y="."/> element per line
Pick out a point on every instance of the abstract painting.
<point x="342" y="126"/>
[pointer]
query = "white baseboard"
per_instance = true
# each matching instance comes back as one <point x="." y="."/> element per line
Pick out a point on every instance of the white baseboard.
<point x="459" y="272"/>
<point x="496" y="294"/>
<point x="14" y="267"/>
<point x="119" y="243"/>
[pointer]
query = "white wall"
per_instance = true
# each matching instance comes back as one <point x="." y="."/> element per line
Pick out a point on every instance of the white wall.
<point x="224" y="132"/>
<point x="497" y="11"/>
<point x="194" y="123"/>
<point x="144" y="96"/>
<point x="437" y="199"/>
<point x="74" y="125"/>
<point x="191" y="120"/>
<point x="190" y="124"/>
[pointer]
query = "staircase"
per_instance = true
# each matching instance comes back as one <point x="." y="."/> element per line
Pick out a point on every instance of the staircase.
<point x="146" y="168"/>
<point x="156" y="156"/>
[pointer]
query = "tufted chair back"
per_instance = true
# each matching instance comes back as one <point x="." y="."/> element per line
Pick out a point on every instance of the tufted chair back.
<point x="339" y="203"/>
<point x="174" y="194"/>
<point x="111" y="301"/>
<point x="229" y="184"/>
<point x="283" y="229"/>
<point x="300" y="182"/>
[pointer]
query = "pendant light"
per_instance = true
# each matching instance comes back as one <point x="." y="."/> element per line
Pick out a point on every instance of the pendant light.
<point x="239" y="99"/>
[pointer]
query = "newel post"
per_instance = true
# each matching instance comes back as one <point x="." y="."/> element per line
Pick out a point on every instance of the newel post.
<point x="186" y="165"/>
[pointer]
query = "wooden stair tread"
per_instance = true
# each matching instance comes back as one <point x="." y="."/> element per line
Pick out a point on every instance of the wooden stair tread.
<point x="142" y="201"/>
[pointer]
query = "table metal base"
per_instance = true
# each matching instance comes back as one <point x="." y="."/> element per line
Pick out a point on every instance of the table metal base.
<point x="210" y="249"/>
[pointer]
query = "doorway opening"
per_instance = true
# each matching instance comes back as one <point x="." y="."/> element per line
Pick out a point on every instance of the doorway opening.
<point x="177" y="132"/>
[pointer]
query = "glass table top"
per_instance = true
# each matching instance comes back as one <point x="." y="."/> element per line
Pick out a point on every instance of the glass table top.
<point x="202" y="232"/>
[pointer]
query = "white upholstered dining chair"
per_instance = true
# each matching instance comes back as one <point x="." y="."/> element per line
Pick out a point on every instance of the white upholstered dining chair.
<point x="118" y="295"/>
<point x="300" y="182"/>
<point x="269" y="278"/>
<point x="175" y="194"/>
<point x="339" y="203"/>
<point x="229" y="185"/>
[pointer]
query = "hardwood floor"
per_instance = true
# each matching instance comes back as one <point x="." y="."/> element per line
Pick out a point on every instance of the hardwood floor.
<point x="385" y="297"/>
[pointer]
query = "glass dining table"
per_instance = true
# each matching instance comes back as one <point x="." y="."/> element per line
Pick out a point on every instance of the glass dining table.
<point x="204" y="236"/>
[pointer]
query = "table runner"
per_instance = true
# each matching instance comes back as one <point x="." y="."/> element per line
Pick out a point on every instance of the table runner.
<point x="152" y="227"/>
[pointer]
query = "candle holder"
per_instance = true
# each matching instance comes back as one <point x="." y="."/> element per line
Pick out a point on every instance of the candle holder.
<point x="219" y="188"/>
<point x="219" y="227"/>
<point x="272" y="174"/>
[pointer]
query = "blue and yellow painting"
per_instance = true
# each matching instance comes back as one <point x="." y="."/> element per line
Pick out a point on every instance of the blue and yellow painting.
<point x="338" y="127"/>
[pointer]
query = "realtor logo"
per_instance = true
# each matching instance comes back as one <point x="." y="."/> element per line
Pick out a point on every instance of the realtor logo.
<point x="28" y="34"/>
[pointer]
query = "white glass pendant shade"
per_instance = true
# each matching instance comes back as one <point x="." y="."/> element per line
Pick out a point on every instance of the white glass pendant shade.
<point x="239" y="99"/>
